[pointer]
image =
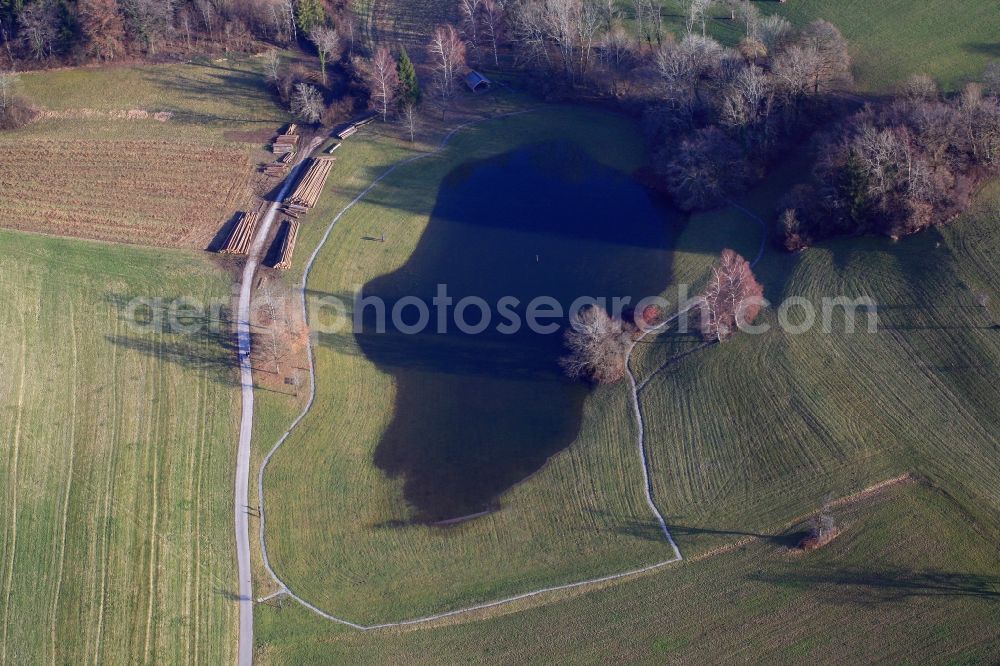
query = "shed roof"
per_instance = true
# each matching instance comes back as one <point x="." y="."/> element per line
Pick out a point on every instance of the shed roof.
<point x="476" y="81"/>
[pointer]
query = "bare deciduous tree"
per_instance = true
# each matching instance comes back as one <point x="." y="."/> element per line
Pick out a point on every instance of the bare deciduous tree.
<point x="5" y="37"/>
<point x="752" y="49"/>
<point x="527" y="25"/>
<point x="732" y="299"/>
<point x="288" y="17"/>
<point x="557" y="34"/>
<point x="748" y="103"/>
<point x="598" y="344"/>
<point x="307" y="102"/>
<point x="648" y="21"/>
<point x="411" y="119"/>
<point x="774" y="32"/>
<point x="272" y="66"/>
<point x="686" y="68"/>
<point x="383" y="81"/>
<point x="148" y="21"/>
<point x="832" y="63"/>
<point x="610" y="11"/>
<point x="708" y="164"/>
<point x="618" y="54"/>
<point x="447" y="52"/>
<point x="327" y="43"/>
<point x="14" y="111"/>
<point x="493" y="24"/>
<point x="39" y="26"/>
<point x="346" y="25"/>
<point x="207" y="11"/>
<point x="920" y="87"/>
<point x="471" y="13"/>
<point x="697" y="14"/>
<point x="794" y="71"/>
<point x="102" y="27"/>
<point x="8" y="84"/>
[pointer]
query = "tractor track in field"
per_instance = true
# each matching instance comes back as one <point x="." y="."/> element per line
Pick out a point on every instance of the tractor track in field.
<point x="635" y="388"/>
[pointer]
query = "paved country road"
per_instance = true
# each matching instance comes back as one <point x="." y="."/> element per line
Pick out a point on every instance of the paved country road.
<point x="241" y="504"/>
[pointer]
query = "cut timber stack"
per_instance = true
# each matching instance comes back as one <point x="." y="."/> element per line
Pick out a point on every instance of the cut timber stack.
<point x="288" y="245"/>
<point x="279" y="166"/>
<point x="285" y="143"/>
<point x="239" y="240"/>
<point x="353" y="126"/>
<point x="309" y="187"/>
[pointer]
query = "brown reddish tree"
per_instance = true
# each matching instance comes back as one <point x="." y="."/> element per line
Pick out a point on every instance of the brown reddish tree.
<point x="830" y="64"/>
<point x="732" y="299"/>
<point x="102" y="27"/>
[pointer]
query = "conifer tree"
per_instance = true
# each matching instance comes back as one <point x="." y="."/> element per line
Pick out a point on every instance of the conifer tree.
<point x="409" y="86"/>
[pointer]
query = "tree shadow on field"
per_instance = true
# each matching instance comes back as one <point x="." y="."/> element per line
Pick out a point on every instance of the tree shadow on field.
<point x="650" y="530"/>
<point x="222" y="235"/>
<point x="228" y="595"/>
<point x="857" y="585"/>
<point x="222" y="83"/>
<point x="201" y="339"/>
<point x="991" y="49"/>
<point x="475" y="414"/>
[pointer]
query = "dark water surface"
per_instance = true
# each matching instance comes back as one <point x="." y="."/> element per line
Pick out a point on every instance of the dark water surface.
<point x="475" y="414"/>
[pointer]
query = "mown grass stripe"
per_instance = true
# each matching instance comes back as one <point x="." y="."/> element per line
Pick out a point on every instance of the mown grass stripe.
<point x="15" y="455"/>
<point x="70" y="464"/>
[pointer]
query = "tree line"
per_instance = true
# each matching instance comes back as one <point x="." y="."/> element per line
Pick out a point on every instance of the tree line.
<point x="899" y="167"/>
<point x="36" y="32"/>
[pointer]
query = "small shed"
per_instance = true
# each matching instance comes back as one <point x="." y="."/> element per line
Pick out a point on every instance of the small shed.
<point x="477" y="82"/>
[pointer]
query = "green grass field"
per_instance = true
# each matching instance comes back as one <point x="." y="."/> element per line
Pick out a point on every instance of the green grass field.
<point x="561" y="526"/>
<point x="205" y="99"/>
<point x="742" y="438"/>
<point x="117" y="446"/>
<point x="889" y="40"/>
<point x="116" y="450"/>
<point x="910" y="579"/>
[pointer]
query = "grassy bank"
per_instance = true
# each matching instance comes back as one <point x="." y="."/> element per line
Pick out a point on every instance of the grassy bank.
<point x="357" y="554"/>
<point x="742" y="438"/>
<point x="116" y="450"/>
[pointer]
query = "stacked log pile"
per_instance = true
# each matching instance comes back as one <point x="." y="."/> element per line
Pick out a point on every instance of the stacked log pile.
<point x="279" y="167"/>
<point x="285" y="143"/>
<point x="352" y="127"/>
<point x="346" y="132"/>
<point x="239" y="239"/>
<point x="309" y="187"/>
<point x="288" y="245"/>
